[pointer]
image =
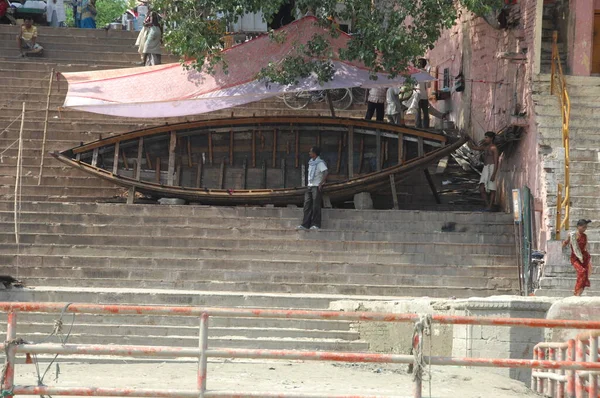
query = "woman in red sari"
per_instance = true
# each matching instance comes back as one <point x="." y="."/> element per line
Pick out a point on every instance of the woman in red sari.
<point x="580" y="256"/>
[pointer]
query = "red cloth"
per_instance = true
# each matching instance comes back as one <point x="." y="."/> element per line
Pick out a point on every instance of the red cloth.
<point x="3" y="7"/>
<point x="583" y="269"/>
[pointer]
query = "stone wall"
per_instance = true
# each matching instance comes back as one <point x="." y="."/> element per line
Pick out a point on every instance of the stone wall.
<point x="495" y="87"/>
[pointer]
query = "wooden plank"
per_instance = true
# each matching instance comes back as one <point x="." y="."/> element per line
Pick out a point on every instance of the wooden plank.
<point x="245" y="173"/>
<point x="400" y="148"/>
<point x="178" y="174"/>
<point x="231" y="147"/>
<point x="148" y="160"/>
<point x="210" y="149"/>
<point x="283" y="171"/>
<point x="323" y="121"/>
<point x="222" y="174"/>
<point x="199" y="173"/>
<point x="189" y="152"/>
<point x="95" y="157"/>
<point x="361" y="155"/>
<point x="432" y="186"/>
<point x="338" y="166"/>
<point x="274" y="163"/>
<point x="115" y="169"/>
<point x="253" y="148"/>
<point x="378" y="149"/>
<point x="138" y="166"/>
<point x="131" y="196"/>
<point x="319" y="138"/>
<point x="297" y="149"/>
<point x="157" y="170"/>
<point x="420" y="147"/>
<point x="125" y="161"/>
<point x="351" y="152"/>
<point x="171" y="163"/>
<point x="263" y="176"/>
<point x="394" y="193"/>
<point x="303" y="175"/>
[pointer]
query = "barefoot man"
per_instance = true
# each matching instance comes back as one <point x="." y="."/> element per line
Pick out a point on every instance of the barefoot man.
<point x="487" y="183"/>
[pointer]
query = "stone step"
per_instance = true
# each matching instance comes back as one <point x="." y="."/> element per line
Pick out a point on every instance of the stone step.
<point x="50" y="180"/>
<point x="257" y="244"/>
<point x="78" y="33"/>
<point x="252" y="223"/>
<point x="583" y="179"/>
<point x="126" y="330"/>
<point x="14" y="263"/>
<point x="268" y="232"/>
<point x="571" y="80"/>
<point x="7" y="192"/>
<point x="51" y="44"/>
<point x="433" y="255"/>
<point x="46" y="65"/>
<point x="255" y="281"/>
<point x="565" y="292"/>
<point x="480" y="288"/>
<point x="588" y="154"/>
<point x="252" y="211"/>
<point x="117" y="60"/>
<point x="577" y="111"/>
<point x="578" y="125"/>
<point x="132" y="321"/>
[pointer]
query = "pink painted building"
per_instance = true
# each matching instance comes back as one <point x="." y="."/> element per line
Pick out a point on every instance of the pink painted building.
<point x="506" y="67"/>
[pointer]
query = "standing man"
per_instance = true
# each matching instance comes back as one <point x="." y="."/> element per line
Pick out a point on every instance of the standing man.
<point x="422" y="119"/>
<point x="393" y="109"/>
<point x="376" y="103"/>
<point x="317" y="175"/>
<point x="487" y="182"/>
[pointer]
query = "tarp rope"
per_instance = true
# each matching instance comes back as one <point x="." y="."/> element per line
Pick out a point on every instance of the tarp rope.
<point x="422" y="328"/>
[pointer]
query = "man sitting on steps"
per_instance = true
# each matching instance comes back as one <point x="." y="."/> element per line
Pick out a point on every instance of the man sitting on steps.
<point x="27" y="38"/>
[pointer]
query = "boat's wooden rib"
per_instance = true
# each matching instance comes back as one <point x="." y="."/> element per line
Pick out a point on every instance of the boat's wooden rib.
<point x="188" y="164"/>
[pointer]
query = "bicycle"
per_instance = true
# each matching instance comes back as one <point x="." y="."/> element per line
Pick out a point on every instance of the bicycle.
<point x="340" y="97"/>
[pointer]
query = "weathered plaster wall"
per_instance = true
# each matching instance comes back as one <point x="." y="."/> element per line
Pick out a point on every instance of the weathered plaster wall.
<point x="581" y="32"/>
<point x="495" y="86"/>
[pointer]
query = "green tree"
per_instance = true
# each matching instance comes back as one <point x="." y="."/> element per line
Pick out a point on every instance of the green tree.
<point x="388" y="34"/>
<point x="108" y="11"/>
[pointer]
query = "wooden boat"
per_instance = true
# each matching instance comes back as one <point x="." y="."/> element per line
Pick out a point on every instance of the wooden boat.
<point x="259" y="160"/>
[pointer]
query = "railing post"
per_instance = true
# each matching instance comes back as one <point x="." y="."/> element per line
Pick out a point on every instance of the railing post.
<point x="417" y="373"/>
<point x="593" y="358"/>
<point x="553" y="62"/>
<point x="11" y="351"/>
<point x="202" y="359"/>
<point x="571" y="373"/>
<point x="534" y="370"/>
<point x="541" y="380"/>
<point x="551" y="382"/>
<point x="579" y="357"/>
<point x="558" y="210"/>
<point x="560" y="393"/>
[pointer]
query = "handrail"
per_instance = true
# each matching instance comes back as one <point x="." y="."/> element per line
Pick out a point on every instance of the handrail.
<point x="558" y="87"/>
<point x="14" y="345"/>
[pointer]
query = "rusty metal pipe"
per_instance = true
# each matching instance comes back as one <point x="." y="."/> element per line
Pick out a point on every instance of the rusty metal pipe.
<point x="294" y="314"/>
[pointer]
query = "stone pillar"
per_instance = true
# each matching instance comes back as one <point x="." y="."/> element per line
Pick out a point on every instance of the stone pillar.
<point x="475" y="341"/>
<point x="582" y="36"/>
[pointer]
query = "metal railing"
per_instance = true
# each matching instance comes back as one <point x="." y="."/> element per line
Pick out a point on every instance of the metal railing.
<point x="558" y="87"/>
<point x="560" y="384"/>
<point x="14" y="346"/>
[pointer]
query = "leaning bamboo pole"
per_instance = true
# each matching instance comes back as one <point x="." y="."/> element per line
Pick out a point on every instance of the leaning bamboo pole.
<point x="17" y="206"/>
<point x="45" y="127"/>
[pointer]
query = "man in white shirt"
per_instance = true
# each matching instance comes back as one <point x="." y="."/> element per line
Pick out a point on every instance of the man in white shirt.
<point x="317" y="175"/>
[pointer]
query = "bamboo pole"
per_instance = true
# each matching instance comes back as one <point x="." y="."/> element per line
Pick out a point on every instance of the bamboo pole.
<point x="18" y="177"/>
<point x="45" y="128"/>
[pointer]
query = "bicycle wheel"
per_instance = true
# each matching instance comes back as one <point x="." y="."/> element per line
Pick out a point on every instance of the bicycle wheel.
<point x="341" y="98"/>
<point x="359" y="95"/>
<point x="297" y="100"/>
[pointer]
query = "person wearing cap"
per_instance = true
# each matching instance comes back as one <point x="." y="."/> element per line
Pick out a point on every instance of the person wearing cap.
<point x="27" y="39"/>
<point x="580" y="255"/>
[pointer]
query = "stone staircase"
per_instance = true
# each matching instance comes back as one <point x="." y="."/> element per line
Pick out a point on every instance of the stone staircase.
<point x="584" y="92"/>
<point x="73" y="249"/>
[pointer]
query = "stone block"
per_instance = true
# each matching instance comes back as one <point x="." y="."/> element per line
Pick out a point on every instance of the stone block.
<point x="575" y="308"/>
<point x="363" y="201"/>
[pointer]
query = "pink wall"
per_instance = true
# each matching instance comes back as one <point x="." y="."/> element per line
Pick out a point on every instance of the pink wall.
<point x="581" y="38"/>
<point x="597" y="4"/>
<point x="488" y="103"/>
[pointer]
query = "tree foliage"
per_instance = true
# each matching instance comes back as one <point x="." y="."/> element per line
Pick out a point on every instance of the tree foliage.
<point x="109" y="10"/>
<point x="388" y="35"/>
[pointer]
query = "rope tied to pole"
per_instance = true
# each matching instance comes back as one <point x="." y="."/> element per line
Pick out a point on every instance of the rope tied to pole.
<point x="422" y="328"/>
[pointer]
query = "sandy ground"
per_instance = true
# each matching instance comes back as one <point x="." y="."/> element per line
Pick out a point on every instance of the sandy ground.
<point x="282" y="376"/>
